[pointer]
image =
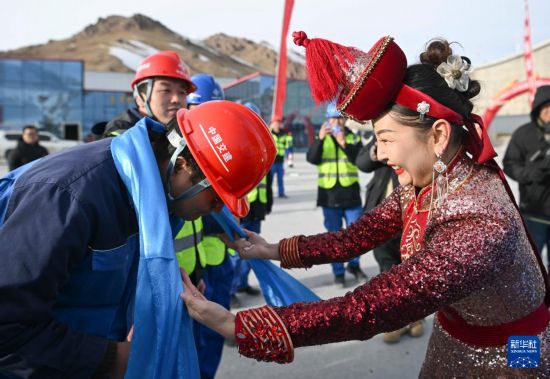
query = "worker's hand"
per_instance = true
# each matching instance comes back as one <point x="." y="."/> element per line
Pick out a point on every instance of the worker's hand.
<point x="325" y="129"/>
<point x="207" y="312"/>
<point x="130" y="334"/>
<point x="258" y="248"/>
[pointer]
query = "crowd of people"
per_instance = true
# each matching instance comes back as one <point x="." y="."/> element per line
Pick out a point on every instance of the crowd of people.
<point x="109" y="247"/>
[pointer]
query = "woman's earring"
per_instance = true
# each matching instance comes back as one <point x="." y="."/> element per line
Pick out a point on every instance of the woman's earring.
<point x="440" y="184"/>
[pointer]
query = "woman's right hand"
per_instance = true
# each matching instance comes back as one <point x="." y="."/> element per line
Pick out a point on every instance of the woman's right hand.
<point x="258" y="248"/>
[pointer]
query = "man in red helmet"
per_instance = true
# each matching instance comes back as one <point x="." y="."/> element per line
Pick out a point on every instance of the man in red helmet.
<point x="87" y="242"/>
<point x="160" y="87"/>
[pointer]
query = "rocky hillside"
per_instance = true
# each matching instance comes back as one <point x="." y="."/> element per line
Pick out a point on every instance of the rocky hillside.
<point x="119" y="43"/>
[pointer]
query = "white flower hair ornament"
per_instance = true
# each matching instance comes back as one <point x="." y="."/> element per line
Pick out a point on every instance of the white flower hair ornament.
<point x="456" y="72"/>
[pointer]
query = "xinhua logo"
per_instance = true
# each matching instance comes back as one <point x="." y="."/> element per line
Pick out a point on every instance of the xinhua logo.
<point x="523" y="351"/>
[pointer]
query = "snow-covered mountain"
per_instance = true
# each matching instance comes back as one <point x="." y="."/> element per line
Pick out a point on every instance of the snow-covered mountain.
<point x="119" y="43"/>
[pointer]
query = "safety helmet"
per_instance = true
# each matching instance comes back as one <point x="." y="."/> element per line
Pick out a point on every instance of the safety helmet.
<point x="164" y="63"/>
<point x="332" y="111"/>
<point x="253" y="107"/>
<point x="233" y="147"/>
<point x="208" y="89"/>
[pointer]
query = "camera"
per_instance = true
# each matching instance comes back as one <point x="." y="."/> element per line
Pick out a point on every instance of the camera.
<point x="336" y="129"/>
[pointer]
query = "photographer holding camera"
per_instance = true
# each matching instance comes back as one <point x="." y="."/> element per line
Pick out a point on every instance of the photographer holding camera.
<point x="527" y="160"/>
<point x="338" y="192"/>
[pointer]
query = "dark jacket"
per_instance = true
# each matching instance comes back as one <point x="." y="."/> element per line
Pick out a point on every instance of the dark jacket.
<point x="25" y="153"/>
<point x="338" y="196"/>
<point x="123" y="121"/>
<point x="383" y="174"/>
<point x="527" y="161"/>
<point x="68" y="215"/>
<point x="387" y="255"/>
<point x="259" y="210"/>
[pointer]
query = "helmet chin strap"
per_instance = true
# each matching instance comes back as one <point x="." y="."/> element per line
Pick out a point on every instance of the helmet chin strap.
<point x="180" y="144"/>
<point x="148" y="91"/>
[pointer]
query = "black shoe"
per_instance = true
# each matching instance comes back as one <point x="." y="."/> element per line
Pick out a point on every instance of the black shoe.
<point x="283" y="197"/>
<point x="357" y="272"/>
<point x="340" y="279"/>
<point x="249" y="291"/>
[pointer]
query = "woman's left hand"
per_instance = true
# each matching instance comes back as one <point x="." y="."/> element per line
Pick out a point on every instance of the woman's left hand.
<point x="207" y="312"/>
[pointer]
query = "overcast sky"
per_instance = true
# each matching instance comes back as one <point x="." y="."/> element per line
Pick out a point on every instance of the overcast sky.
<point x="488" y="30"/>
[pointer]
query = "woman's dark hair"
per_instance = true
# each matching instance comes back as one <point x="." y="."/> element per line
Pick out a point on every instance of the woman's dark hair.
<point x="163" y="151"/>
<point x="425" y="78"/>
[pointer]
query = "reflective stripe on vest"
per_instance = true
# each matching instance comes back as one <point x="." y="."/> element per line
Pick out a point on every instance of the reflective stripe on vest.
<point x="335" y="165"/>
<point x="261" y="190"/>
<point x="215" y="250"/>
<point x="280" y="143"/>
<point x="188" y="244"/>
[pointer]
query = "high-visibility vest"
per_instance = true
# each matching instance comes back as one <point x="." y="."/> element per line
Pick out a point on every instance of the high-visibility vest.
<point x="188" y="244"/>
<point x="280" y="143"/>
<point x="289" y="141"/>
<point x="335" y="165"/>
<point x="215" y="250"/>
<point x="259" y="192"/>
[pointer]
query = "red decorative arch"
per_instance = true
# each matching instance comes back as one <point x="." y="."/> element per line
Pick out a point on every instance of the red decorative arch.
<point x="516" y="90"/>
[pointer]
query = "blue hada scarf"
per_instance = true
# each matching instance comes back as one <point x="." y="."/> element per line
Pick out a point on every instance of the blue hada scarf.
<point x="278" y="287"/>
<point x="162" y="344"/>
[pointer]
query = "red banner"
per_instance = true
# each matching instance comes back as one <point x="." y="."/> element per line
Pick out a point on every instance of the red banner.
<point x="280" y="80"/>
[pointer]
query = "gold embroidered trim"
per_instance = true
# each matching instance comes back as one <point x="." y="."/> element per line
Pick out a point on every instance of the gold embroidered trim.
<point x="377" y="55"/>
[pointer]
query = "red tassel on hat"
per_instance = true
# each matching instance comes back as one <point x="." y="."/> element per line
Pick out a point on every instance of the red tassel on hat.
<point x="326" y="65"/>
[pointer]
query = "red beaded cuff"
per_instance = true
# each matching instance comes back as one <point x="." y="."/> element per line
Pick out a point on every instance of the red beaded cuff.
<point x="261" y="334"/>
<point x="289" y="253"/>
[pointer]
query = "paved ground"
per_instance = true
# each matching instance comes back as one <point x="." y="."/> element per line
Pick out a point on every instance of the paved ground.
<point x="356" y="359"/>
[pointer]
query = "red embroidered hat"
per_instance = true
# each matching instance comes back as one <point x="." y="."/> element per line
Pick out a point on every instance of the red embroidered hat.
<point x="353" y="76"/>
<point x="364" y="84"/>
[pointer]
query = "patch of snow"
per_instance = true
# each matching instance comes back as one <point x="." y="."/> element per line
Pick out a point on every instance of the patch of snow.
<point x="143" y="47"/>
<point x="203" y="58"/>
<point x="177" y="45"/>
<point x="132" y="53"/>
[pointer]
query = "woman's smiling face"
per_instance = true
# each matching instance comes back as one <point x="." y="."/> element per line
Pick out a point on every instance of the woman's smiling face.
<point x="406" y="149"/>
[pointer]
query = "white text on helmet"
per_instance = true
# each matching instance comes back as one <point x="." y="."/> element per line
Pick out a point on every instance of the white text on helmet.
<point x="143" y="66"/>
<point x="216" y="143"/>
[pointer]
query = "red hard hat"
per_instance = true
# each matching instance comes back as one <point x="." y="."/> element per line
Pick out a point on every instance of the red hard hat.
<point x="233" y="147"/>
<point x="164" y="63"/>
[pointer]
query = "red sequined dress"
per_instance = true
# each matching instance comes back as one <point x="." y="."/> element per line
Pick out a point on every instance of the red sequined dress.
<point x="469" y="260"/>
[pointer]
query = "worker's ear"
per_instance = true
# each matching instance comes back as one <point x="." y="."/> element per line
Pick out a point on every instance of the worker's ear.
<point x="182" y="164"/>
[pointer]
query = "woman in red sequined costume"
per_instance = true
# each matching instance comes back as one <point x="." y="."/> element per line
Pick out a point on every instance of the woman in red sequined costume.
<point x="466" y="254"/>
